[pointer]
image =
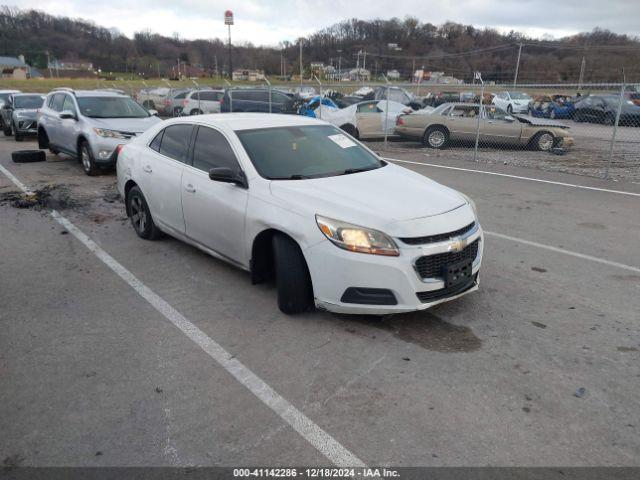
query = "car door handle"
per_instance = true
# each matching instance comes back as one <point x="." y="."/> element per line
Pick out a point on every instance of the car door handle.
<point x="190" y="188"/>
<point x="147" y="169"/>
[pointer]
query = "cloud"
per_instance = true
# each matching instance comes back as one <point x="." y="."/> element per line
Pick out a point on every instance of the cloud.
<point x="268" y="22"/>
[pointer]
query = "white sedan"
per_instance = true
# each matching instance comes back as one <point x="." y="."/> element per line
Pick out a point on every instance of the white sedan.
<point x="296" y="199"/>
<point x="512" y="102"/>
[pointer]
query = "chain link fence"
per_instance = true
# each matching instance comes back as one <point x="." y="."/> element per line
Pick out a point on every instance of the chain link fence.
<point x="587" y="129"/>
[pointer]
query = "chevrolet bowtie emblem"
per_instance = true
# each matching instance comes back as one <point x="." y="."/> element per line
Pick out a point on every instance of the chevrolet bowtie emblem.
<point x="457" y="244"/>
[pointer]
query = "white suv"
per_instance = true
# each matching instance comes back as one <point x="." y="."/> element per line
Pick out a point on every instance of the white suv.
<point x="198" y="102"/>
<point x="90" y="125"/>
<point x="297" y="199"/>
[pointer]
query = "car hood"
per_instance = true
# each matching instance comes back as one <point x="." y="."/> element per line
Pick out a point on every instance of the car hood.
<point x="26" y="112"/>
<point x="540" y="122"/>
<point x="388" y="198"/>
<point x="136" y="125"/>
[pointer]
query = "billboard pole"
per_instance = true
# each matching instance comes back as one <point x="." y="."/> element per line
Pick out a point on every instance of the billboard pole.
<point x="228" y="21"/>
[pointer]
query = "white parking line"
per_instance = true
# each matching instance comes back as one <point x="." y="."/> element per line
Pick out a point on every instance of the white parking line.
<point x="562" y="250"/>
<point x="563" y="184"/>
<point x="311" y="432"/>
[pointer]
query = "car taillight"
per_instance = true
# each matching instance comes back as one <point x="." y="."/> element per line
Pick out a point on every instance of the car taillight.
<point x="399" y="120"/>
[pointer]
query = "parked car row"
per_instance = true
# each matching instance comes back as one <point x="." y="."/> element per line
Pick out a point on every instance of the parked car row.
<point x="19" y="113"/>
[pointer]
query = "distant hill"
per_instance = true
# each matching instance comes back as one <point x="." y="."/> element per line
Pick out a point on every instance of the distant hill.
<point x="456" y="49"/>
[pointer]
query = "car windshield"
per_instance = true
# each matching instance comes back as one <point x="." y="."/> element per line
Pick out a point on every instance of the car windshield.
<point x="295" y="153"/>
<point x="519" y="96"/>
<point x="28" y="101"/>
<point x="110" y="107"/>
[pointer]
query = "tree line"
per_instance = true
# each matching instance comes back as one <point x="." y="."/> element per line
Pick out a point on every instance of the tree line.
<point x="400" y="44"/>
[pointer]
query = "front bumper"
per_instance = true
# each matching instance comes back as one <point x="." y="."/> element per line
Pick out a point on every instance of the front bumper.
<point x="105" y="153"/>
<point x="334" y="270"/>
<point x="26" y="126"/>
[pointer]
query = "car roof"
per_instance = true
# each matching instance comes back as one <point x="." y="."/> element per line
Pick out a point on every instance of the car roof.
<point x="249" y="121"/>
<point x="10" y="91"/>
<point x="24" y="94"/>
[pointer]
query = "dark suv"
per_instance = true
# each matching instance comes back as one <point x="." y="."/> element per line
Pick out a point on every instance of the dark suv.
<point x="256" y="100"/>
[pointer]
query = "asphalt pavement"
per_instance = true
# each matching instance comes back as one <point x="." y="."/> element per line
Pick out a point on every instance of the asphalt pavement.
<point x="540" y="367"/>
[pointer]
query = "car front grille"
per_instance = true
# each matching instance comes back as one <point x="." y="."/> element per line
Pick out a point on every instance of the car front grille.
<point x="431" y="266"/>
<point x="433" y="295"/>
<point x="26" y="124"/>
<point x="440" y="237"/>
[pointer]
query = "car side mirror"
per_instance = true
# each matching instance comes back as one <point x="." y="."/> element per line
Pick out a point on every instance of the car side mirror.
<point x="67" y="114"/>
<point x="227" y="175"/>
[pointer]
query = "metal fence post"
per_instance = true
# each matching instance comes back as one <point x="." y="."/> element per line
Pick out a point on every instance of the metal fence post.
<point x="386" y="112"/>
<point x="230" y="96"/>
<point x="615" y="130"/>
<point x="269" y="87"/>
<point x="320" y="101"/>
<point x="478" y="76"/>
<point x="198" y="90"/>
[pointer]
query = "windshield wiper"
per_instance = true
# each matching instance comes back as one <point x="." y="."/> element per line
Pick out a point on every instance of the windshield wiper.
<point x="291" y="177"/>
<point x="349" y="171"/>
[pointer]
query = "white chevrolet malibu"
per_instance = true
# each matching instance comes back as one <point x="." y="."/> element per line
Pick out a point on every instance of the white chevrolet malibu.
<point x="295" y="199"/>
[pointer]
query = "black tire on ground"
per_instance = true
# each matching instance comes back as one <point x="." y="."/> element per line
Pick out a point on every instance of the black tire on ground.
<point x="436" y="137"/>
<point x="86" y="159"/>
<point x="28" y="156"/>
<point x="295" y="291"/>
<point x="543" y="141"/>
<point x="140" y="215"/>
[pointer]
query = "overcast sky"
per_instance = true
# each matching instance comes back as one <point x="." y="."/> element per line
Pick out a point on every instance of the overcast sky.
<point x="267" y="22"/>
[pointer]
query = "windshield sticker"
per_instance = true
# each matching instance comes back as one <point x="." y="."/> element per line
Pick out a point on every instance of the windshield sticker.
<point x="342" y="141"/>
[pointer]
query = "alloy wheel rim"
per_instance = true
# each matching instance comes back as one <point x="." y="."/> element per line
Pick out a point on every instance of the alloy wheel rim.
<point x="436" y="139"/>
<point x="138" y="214"/>
<point x="86" y="161"/>
<point x="546" y="141"/>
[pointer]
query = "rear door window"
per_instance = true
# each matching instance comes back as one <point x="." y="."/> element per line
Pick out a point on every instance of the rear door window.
<point x="175" y="142"/>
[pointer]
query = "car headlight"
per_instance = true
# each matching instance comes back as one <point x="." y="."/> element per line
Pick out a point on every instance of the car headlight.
<point x="108" y="133"/>
<point x="357" y="239"/>
<point x="472" y="203"/>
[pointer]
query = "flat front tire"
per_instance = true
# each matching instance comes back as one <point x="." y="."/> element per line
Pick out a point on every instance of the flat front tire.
<point x="295" y="291"/>
<point x="140" y="215"/>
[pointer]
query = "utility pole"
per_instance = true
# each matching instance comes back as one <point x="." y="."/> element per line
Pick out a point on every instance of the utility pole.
<point x="339" y="64"/>
<point x="582" y="65"/>
<point x="300" y="60"/>
<point x="515" y="78"/>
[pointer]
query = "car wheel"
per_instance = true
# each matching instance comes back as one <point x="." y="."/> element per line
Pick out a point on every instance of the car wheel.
<point x="544" y="141"/>
<point x="295" y="292"/>
<point x="140" y="215"/>
<point x="17" y="136"/>
<point x="609" y="119"/>
<point x="436" y="137"/>
<point x="86" y="157"/>
<point x="195" y="111"/>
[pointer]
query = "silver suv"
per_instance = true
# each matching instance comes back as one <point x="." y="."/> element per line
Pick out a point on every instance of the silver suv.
<point x="90" y="125"/>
